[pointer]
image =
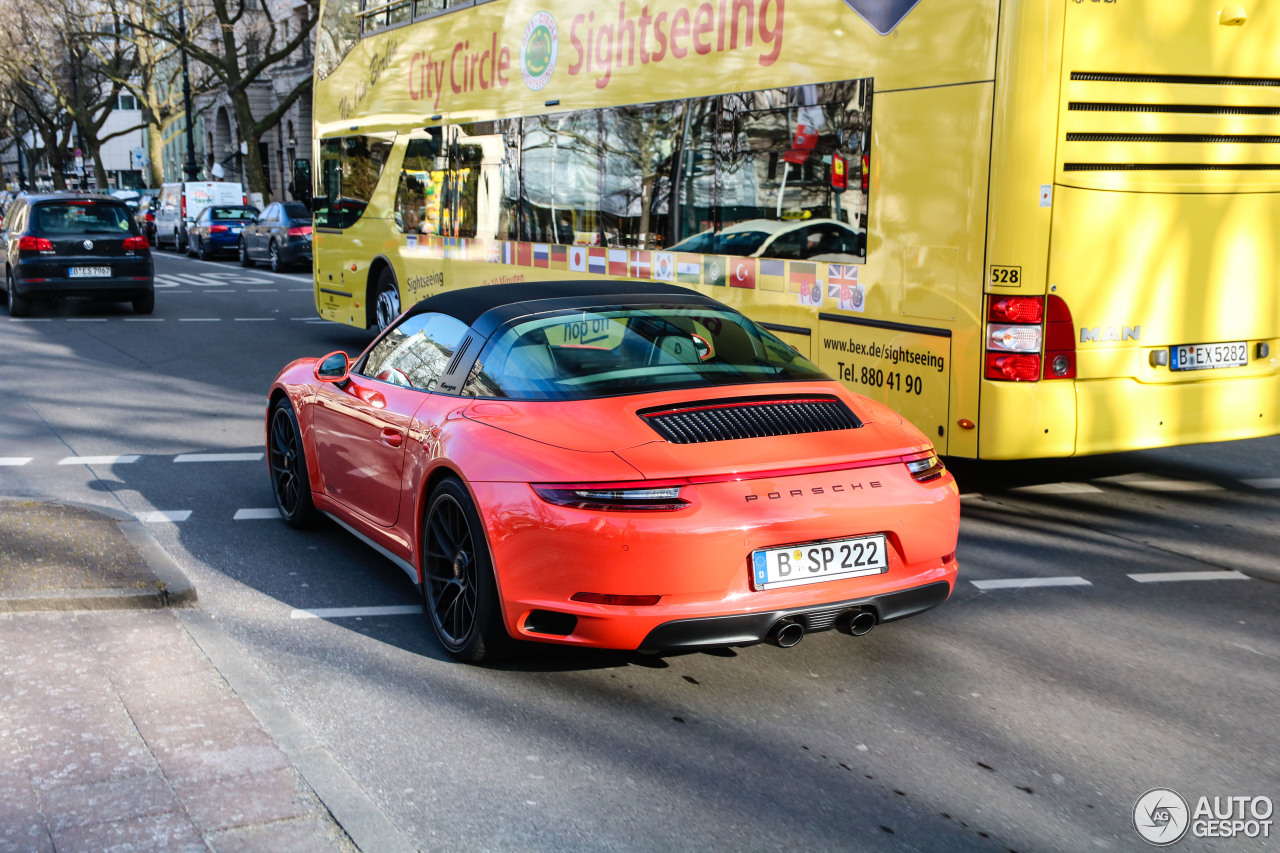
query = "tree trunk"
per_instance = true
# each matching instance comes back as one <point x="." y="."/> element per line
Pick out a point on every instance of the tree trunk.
<point x="155" y="151"/>
<point x="56" y="156"/>
<point x="99" y="171"/>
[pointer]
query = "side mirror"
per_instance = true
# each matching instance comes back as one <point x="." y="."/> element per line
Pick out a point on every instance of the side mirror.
<point x="334" y="367"/>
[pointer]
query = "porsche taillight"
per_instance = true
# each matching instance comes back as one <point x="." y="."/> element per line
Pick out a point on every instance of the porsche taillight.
<point x="926" y="468"/>
<point x="1029" y="338"/>
<point x="613" y="497"/>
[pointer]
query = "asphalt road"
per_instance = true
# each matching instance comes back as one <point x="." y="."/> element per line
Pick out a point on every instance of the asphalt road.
<point x="1068" y="674"/>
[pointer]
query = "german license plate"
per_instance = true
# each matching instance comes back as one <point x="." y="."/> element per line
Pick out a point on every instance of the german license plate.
<point x="91" y="272"/>
<point x="1208" y="356"/>
<point x="817" y="562"/>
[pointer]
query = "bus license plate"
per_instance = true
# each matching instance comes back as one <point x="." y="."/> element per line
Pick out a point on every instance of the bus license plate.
<point x="1208" y="356"/>
<point x="90" y="272"/>
<point x="817" y="562"/>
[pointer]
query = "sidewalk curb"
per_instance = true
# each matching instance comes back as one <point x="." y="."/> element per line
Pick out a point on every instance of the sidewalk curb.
<point x="366" y="825"/>
<point x="174" y="588"/>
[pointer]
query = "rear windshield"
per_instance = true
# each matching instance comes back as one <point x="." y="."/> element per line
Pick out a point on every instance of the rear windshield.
<point x="80" y="217"/>
<point x="630" y="350"/>
<point x="224" y="213"/>
<point x="297" y="210"/>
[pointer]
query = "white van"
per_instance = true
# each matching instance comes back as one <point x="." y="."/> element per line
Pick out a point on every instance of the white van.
<point x="180" y="203"/>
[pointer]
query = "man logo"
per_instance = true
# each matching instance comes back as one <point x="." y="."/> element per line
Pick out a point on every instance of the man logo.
<point x="1109" y="334"/>
<point x="882" y="15"/>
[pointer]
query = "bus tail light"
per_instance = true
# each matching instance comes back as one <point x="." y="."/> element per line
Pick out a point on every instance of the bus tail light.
<point x="1013" y="367"/>
<point x="1059" y="341"/>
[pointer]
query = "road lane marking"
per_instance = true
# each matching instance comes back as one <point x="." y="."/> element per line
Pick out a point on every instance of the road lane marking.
<point x="218" y="457"/>
<point x="263" y="290"/>
<point x="345" y="612"/>
<point x="302" y="290"/>
<point x="30" y="319"/>
<point x="255" y="319"/>
<point x="256" y="514"/>
<point x="11" y="461"/>
<point x="1264" y="483"/>
<point x="161" y="515"/>
<point x="199" y="319"/>
<point x="98" y="460"/>
<point x="1020" y="583"/>
<point x="1155" y="484"/>
<point x="1161" y="577"/>
<point x="144" y="319"/>
<point x="1058" y="489"/>
<point x="86" y="319"/>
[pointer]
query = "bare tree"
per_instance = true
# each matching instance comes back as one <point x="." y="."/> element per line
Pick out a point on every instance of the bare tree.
<point x="240" y="42"/>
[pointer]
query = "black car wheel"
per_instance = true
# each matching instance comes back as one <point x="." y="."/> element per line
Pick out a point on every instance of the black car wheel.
<point x="290" y="483"/>
<point x="181" y="238"/>
<point x="202" y="250"/>
<point x="245" y="260"/>
<point x="19" y="306"/>
<point x="276" y="265"/>
<point x="457" y="578"/>
<point x="145" y="304"/>
<point x="386" y="307"/>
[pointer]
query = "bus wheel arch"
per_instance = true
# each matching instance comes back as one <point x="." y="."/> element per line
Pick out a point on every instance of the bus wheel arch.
<point x="382" y="296"/>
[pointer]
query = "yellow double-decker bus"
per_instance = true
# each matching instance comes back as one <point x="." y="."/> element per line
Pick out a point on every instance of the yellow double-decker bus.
<point x="1036" y="229"/>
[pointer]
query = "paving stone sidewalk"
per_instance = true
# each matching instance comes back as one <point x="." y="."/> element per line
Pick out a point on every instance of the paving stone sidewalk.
<point x="117" y="732"/>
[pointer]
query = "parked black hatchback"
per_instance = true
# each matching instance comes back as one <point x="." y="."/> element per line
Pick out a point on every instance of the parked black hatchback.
<point x="74" y="244"/>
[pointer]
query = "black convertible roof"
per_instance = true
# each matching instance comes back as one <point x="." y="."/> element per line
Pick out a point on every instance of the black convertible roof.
<point x="469" y="304"/>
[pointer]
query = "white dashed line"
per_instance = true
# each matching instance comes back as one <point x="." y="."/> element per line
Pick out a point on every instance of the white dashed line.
<point x="1162" y="577"/>
<point x="263" y="290"/>
<point x="218" y="457"/>
<point x="199" y="319"/>
<point x="1058" y="489"/>
<point x="256" y="514"/>
<point x="302" y="290"/>
<point x="1153" y="485"/>
<point x="255" y="319"/>
<point x="157" y="516"/>
<point x="30" y="319"/>
<point x="13" y="461"/>
<point x="343" y="612"/>
<point x="1264" y="483"/>
<point x="86" y="319"/>
<point x="1021" y="583"/>
<point x="98" y="460"/>
<point x="144" y="319"/>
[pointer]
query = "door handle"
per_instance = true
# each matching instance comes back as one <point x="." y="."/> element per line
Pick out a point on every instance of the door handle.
<point x="392" y="437"/>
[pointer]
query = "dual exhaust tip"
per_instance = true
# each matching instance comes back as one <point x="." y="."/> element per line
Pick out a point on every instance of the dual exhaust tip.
<point x="788" y="631"/>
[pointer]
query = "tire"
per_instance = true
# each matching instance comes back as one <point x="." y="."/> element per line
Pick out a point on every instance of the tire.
<point x="287" y="465"/>
<point x="458" y="586"/>
<point x="19" y="306"/>
<point x="386" y="307"/>
<point x="276" y="265"/>
<point x="187" y="249"/>
<point x="245" y="260"/>
<point x="145" y="304"/>
<point x="202" y="251"/>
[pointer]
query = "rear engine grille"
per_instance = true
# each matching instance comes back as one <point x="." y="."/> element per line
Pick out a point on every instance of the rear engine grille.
<point x="1150" y="131"/>
<point x="746" y="417"/>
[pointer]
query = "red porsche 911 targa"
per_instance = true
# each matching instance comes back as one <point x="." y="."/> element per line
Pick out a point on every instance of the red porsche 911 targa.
<point x="626" y="466"/>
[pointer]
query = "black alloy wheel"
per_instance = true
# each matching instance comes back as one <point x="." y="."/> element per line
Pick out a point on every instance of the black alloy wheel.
<point x="245" y="260"/>
<point x="145" y="304"/>
<point x="276" y="266"/>
<point x="19" y="306"/>
<point x="290" y="483"/>
<point x="386" y="307"/>
<point x="202" y="250"/>
<point x="457" y="578"/>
